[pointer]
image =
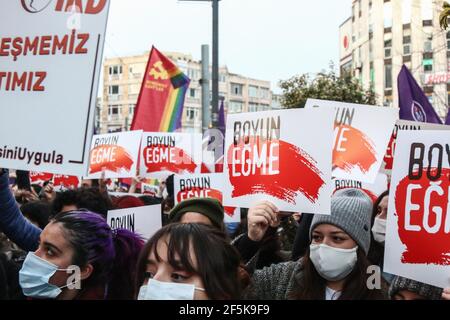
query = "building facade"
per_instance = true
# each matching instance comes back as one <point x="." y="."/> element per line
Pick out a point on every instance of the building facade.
<point x="382" y="35"/>
<point x="122" y="78"/>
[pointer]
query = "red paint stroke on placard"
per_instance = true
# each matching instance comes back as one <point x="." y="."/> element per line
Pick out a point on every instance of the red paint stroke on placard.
<point x="423" y="247"/>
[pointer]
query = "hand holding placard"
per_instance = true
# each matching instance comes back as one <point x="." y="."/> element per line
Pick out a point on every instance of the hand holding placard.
<point x="260" y="217"/>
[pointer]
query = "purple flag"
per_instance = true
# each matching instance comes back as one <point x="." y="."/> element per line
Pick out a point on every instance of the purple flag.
<point x="414" y="104"/>
<point x="447" y="122"/>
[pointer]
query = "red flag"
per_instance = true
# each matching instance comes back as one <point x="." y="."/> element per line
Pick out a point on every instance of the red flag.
<point x="160" y="104"/>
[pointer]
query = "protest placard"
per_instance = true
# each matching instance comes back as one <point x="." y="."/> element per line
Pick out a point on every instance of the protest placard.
<point x="115" y="154"/>
<point x="144" y="221"/>
<point x="163" y="154"/>
<point x="403" y="125"/>
<point x="373" y="190"/>
<point x="418" y="224"/>
<point x="50" y="60"/>
<point x="204" y="186"/>
<point x="362" y="134"/>
<point x="281" y="156"/>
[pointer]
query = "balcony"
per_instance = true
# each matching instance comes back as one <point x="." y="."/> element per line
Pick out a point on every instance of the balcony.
<point x="114" y="77"/>
<point x="114" y="118"/>
<point x="115" y="97"/>
<point x="136" y="76"/>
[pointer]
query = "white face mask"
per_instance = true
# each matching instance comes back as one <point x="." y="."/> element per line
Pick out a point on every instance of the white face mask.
<point x="332" y="264"/>
<point x="157" y="290"/>
<point x="379" y="230"/>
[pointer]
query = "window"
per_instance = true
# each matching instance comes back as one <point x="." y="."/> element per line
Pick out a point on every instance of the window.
<point x="193" y="74"/>
<point x="113" y="112"/>
<point x="252" y="107"/>
<point x="372" y="76"/>
<point x="264" y="107"/>
<point x="191" y="113"/>
<point x="406" y="11"/>
<point x="253" y="92"/>
<point x="133" y="89"/>
<point x="131" y="109"/>
<point x="448" y="40"/>
<point x="387" y="76"/>
<point x="115" y="70"/>
<point x="222" y="77"/>
<point x="387" y="48"/>
<point x="406" y="45"/>
<point x="427" y="65"/>
<point x="387" y="14"/>
<point x="236" y="89"/>
<point x="427" y="10"/>
<point x="264" y="93"/>
<point x="192" y="93"/>
<point x="428" y="43"/>
<point x="235" y="107"/>
<point x="113" y="90"/>
<point x="370" y="50"/>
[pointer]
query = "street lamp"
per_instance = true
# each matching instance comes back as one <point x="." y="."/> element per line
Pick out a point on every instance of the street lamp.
<point x="215" y="62"/>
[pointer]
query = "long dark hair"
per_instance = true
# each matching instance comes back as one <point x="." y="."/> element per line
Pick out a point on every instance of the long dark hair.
<point x="218" y="262"/>
<point x="113" y="254"/>
<point x="376" y="250"/>
<point x="311" y="286"/>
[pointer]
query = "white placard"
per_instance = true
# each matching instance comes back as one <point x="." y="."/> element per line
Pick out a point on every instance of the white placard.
<point x="115" y="154"/>
<point x="204" y="186"/>
<point x="362" y="134"/>
<point x="281" y="156"/>
<point x="373" y="190"/>
<point x="50" y="59"/>
<point x="418" y="224"/>
<point x="163" y="154"/>
<point x="144" y="221"/>
<point x="405" y="125"/>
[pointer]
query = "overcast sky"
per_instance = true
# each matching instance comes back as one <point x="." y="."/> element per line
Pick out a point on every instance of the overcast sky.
<point x="263" y="39"/>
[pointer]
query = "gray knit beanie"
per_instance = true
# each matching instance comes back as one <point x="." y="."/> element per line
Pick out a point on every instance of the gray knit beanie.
<point x="425" y="290"/>
<point x="351" y="210"/>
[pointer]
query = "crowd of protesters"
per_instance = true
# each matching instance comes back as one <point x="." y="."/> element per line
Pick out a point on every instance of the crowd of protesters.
<point x="47" y="237"/>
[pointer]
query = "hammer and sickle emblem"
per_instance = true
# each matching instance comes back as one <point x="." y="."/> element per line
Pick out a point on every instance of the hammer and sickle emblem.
<point x="158" y="71"/>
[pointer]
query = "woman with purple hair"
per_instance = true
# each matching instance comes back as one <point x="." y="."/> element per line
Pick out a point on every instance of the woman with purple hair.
<point x="76" y="256"/>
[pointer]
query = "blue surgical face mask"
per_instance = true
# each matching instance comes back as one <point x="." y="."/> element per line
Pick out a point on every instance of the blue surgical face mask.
<point x="35" y="275"/>
<point x="157" y="290"/>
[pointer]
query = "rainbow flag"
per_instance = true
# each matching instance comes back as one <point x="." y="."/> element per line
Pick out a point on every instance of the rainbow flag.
<point x="161" y="100"/>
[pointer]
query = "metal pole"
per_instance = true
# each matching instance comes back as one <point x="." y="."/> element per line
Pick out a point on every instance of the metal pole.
<point x="215" y="65"/>
<point x="206" y="77"/>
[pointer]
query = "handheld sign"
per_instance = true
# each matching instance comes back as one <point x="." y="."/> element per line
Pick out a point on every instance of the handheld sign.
<point x="62" y="182"/>
<point x="149" y="189"/>
<point x="116" y="154"/>
<point x="59" y="181"/>
<point x="144" y="221"/>
<point x="362" y="134"/>
<point x="40" y="178"/>
<point x="204" y="186"/>
<point x="373" y="190"/>
<point x="281" y="156"/>
<point x="163" y="154"/>
<point x="50" y="58"/>
<point x="404" y="125"/>
<point x="418" y="225"/>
